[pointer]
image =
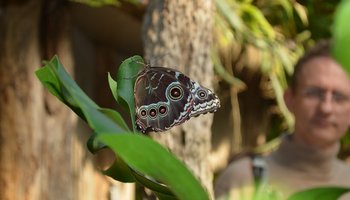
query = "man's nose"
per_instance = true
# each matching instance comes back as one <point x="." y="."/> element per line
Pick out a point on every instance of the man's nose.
<point x="326" y="103"/>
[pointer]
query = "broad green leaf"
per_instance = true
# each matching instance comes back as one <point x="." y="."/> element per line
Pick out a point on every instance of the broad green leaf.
<point x="321" y="193"/>
<point x="69" y="87"/>
<point x="50" y="81"/>
<point x="116" y="117"/>
<point x="53" y="80"/>
<point x="150" y="158"/>
<point x="54" y="75"/>
<point x="94" y="145"/>
<point x="126" y="76"/>
<point x="162" y="196"/>
<point x="152" y="184"/>
<point x="120" y="171"/>
<point x="113" y="86"/>
<point x="96" y="119"/>
<point x="341" y="35"/>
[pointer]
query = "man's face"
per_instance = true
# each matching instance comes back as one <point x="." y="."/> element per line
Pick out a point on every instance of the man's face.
<point x="320" y="102"/>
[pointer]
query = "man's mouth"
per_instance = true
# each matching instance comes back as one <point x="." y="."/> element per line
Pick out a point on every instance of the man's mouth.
<point x="323" y="123"/>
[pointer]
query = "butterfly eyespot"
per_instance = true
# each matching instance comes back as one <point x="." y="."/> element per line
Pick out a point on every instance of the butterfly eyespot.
<point x="153" y="112"/>
<point x="143" y="113"/>
<point x="163" y="110"/>
<point x="176" y="93"/>
<point x="202" y="94"/>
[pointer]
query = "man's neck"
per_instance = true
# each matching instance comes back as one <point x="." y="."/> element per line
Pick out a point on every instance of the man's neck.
<point x="320" y="146"/>
<point x="301" y="156"/>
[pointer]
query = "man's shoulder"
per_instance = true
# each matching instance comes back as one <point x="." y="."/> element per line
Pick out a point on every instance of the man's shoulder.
<point x="241" y="164"/>
<point x="237" y="173"/>
<point x="343" y="166"/>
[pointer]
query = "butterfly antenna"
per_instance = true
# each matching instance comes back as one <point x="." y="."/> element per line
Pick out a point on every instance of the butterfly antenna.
<point x="146" y="66"/>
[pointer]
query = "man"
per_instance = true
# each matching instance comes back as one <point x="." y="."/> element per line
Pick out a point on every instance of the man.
<point x="319" y="97"/>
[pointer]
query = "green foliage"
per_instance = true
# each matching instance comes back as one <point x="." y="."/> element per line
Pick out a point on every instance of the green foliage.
<point x="341" y="35"/>
<point x="139" y="158"/>
<point x="269" y="28"/>
<point x="321" y="193"/>
<point x="99" y="3"/>
<point x="132" y="147"/>
<point x="125" y="88"/>
<point x="321" y="15"/>
<point x="266" y="192"/>
<point x="341" y="47"/>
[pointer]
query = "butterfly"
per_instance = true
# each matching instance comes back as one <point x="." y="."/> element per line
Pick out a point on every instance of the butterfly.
<point x="165" y="97"/>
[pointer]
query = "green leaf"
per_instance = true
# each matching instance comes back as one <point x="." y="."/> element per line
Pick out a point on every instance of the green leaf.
<point x="116" y="117"/>
<point x="94" y="145"/>
<point x="279" y="98"/>
<point x="230" y="14"/>
<point x="220" y="69"/>
<point x="285" y="4"/>
<point x="152" y="184"/>
<point x="341" y="35"/>
<point x="148" y="157"/>
<point x="120" y="171"/>
<point x="302" y="13"/>
<point x="162" y="196"/>
<point x="50" y="81"/>
<point x="113" y="86"/>
<point x="53" y="76"/>
<point x="97" y="3"/>
<point x="258" y="23"/>
<point x="126" y="76"/>
<point x="321" y="193"/>
<point x="61" y="84"/>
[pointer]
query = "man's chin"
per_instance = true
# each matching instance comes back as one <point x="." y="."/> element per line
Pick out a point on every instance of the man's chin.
<point x="324" y="137"/>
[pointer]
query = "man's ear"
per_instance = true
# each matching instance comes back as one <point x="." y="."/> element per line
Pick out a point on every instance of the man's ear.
<point x="288" y="97"/>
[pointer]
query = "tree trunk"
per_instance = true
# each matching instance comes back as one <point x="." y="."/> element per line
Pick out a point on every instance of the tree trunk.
<point x="41" y="154"/>
<point x="178" y="34"/>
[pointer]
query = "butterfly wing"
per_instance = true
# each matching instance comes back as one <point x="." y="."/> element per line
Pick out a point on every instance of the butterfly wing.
<point x="204" y="100"/>
<point x="163" y="99"/>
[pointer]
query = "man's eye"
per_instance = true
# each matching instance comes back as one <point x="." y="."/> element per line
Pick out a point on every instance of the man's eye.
<point x="314" y="93"/>
<point x="339" y="97"/>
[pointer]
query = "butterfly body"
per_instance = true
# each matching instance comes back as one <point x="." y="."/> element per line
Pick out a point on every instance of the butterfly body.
<point x="165" y="98"/>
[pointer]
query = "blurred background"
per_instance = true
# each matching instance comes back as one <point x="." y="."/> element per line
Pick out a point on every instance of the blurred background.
<point x="245" y="48"/>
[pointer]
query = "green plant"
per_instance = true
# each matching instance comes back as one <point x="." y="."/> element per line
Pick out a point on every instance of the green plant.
<point x="139" y="159"/>
<point x="265" y="31"/>
<point x="341" y="35"/>
<point x="320" y="193"/>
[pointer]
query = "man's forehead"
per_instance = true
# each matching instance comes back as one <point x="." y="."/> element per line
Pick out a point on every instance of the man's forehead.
<point x="325" y="72"/>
